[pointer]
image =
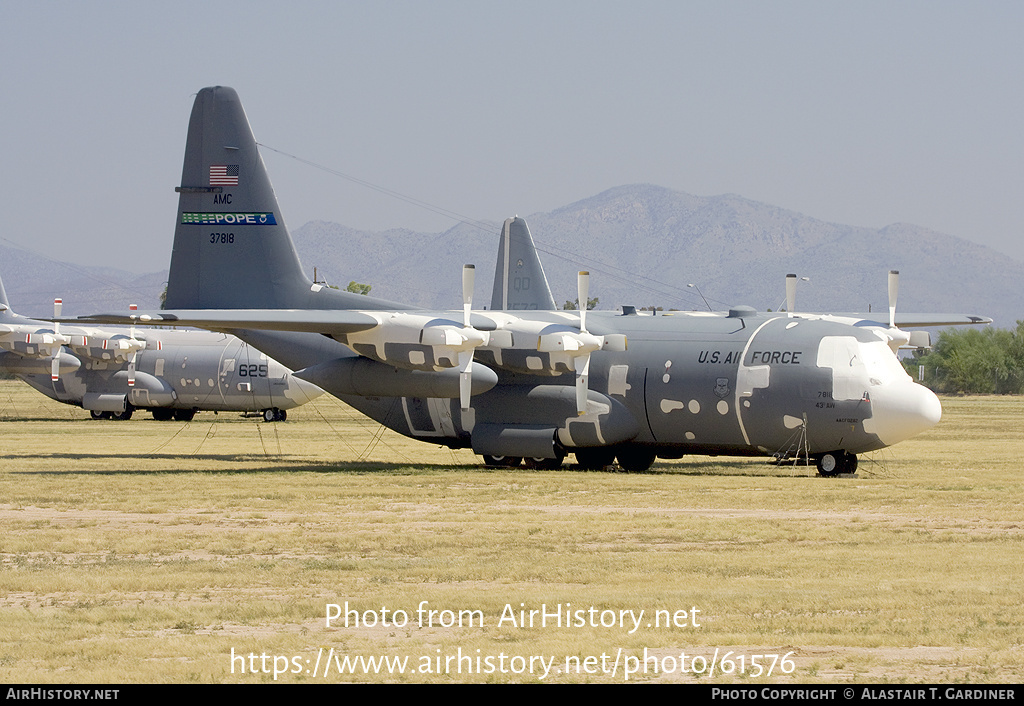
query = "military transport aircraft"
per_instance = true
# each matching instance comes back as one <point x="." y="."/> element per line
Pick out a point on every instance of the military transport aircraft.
<point x="527" y="381"/>
<point x="173" y="374"/>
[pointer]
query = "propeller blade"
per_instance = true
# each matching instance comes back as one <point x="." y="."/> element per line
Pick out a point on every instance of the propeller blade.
<point x="466" y="356"/>
<point x="583" y="287"/>
<point x="582" y="380"/>
<point x="894" y="290"/>
<point x="465" y="378"/>
<point x="790" y="294"/>
<point x="468" y="278"/>
<point x="132" y="307"/>
<point x="58" y="304"/>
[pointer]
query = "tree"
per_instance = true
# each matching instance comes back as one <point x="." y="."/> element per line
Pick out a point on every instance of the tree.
<point x="988" y="360"/>
<point x="575" y="304"/>
<point x="358" y="288"/>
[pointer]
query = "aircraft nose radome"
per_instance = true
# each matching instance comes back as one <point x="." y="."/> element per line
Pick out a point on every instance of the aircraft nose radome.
<point x="902" y="411"/>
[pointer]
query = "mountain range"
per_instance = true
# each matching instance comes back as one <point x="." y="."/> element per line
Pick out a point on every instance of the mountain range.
<point x="642" y="244"/>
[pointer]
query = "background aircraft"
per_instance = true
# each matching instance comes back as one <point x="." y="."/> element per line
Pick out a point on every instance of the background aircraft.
<point x="531" y="383"/>
<point x="173" y="374"/>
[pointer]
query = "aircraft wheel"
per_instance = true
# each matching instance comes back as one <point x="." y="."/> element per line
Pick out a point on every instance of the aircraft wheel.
<point x="184" y="415"/>
<point x="271" y="415"/>
<point x="595" y="459"/>
<point x="851" y="463"/>
<point x="162" y="414"/>
<point x="502" y="461"/>
<point x="96" y="414"/>
<point x="835" y="462"/>
<point x="636" y="460"/>
<point x="282" y="415"/>
<point x="124" y="416"/>
<point x="548" y="464"/>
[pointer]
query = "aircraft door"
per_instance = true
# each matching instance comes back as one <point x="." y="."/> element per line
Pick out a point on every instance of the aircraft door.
<point x="195" y="376"/>
<point x="429" y="416"/>
<point x="241" y="368"/>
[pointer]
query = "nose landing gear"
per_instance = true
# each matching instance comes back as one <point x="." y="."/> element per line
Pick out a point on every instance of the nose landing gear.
<point x="274" y="414"/>
<point x="835" y="463"/>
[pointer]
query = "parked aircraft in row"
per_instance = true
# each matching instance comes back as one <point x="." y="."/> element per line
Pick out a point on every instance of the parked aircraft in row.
<point x="172" y="374"/>
<point x="526" y="381"/>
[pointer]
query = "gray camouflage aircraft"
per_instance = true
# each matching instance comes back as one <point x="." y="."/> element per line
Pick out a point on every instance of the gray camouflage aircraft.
<point x="173" y="374"/>
<point x="524" y="380"/>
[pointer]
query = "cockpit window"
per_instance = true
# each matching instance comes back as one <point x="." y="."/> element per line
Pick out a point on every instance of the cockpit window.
<point x="857" y="366"/>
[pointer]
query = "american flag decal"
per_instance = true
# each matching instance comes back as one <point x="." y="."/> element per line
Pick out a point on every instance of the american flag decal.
<point x="223" y="175"/>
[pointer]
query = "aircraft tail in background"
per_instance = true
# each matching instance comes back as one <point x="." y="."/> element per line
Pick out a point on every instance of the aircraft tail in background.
<point x="519" y="280"/>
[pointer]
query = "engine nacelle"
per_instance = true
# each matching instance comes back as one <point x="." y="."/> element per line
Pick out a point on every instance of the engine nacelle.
<point x="37" y="365"/>
<point x="369" y="378"/>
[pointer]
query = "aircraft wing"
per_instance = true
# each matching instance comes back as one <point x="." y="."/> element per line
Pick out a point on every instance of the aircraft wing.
<point x="913" y="320"/>
<point x="922" y="320"/>
<point x="324" y="321"/>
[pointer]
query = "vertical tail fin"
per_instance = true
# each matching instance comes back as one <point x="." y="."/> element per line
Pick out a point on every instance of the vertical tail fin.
<point x="519" y="280"/>
<point x="231" y="247"/>
<point x="5" y="306"/>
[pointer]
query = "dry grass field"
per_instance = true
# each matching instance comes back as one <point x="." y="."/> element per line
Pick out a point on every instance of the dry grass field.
<point x="212" y="551"/>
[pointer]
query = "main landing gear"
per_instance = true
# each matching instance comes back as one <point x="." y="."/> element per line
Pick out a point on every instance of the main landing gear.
<point x="119" y="416"/>
<point x="539" y="463"/>
<point x="632" y="459"/>
<point x="273" y="414"/>
<point x="636" y="459"/>
<point x="502" y="461"/>
<point x="163" y="414"/>
<point x="595" y="459"/>
<point x="835" y="463"/>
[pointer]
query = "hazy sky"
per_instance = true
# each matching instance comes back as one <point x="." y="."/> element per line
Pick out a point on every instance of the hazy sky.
<point x="864" y="113"/>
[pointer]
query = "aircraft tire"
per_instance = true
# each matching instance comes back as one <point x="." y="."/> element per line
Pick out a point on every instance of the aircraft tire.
<point x="96" y="414"/>
<point x="851" y="463"/>
<point x="162" y="414"/>
<point x="595" y="459"/>
<point x="636" y="459"/>
<point x="124" y="416"/>
<point x="502" y="461"/>
<point x="835" y="463"/>
<point x="270" y="414"/>
<point x="184" y="415"/>
<point x="547" y="464"/>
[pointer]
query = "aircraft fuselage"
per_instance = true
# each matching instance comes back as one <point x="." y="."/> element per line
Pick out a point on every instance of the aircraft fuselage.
<point x="742" y="383"/>
<point x="179" y="370"/>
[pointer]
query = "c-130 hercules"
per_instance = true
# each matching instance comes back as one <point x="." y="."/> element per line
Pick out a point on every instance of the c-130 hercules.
<point x="172" y="374"/>
<point x="534" y="384"/>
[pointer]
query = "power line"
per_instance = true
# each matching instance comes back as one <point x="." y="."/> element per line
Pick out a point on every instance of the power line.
<point x="613" y="271"/>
